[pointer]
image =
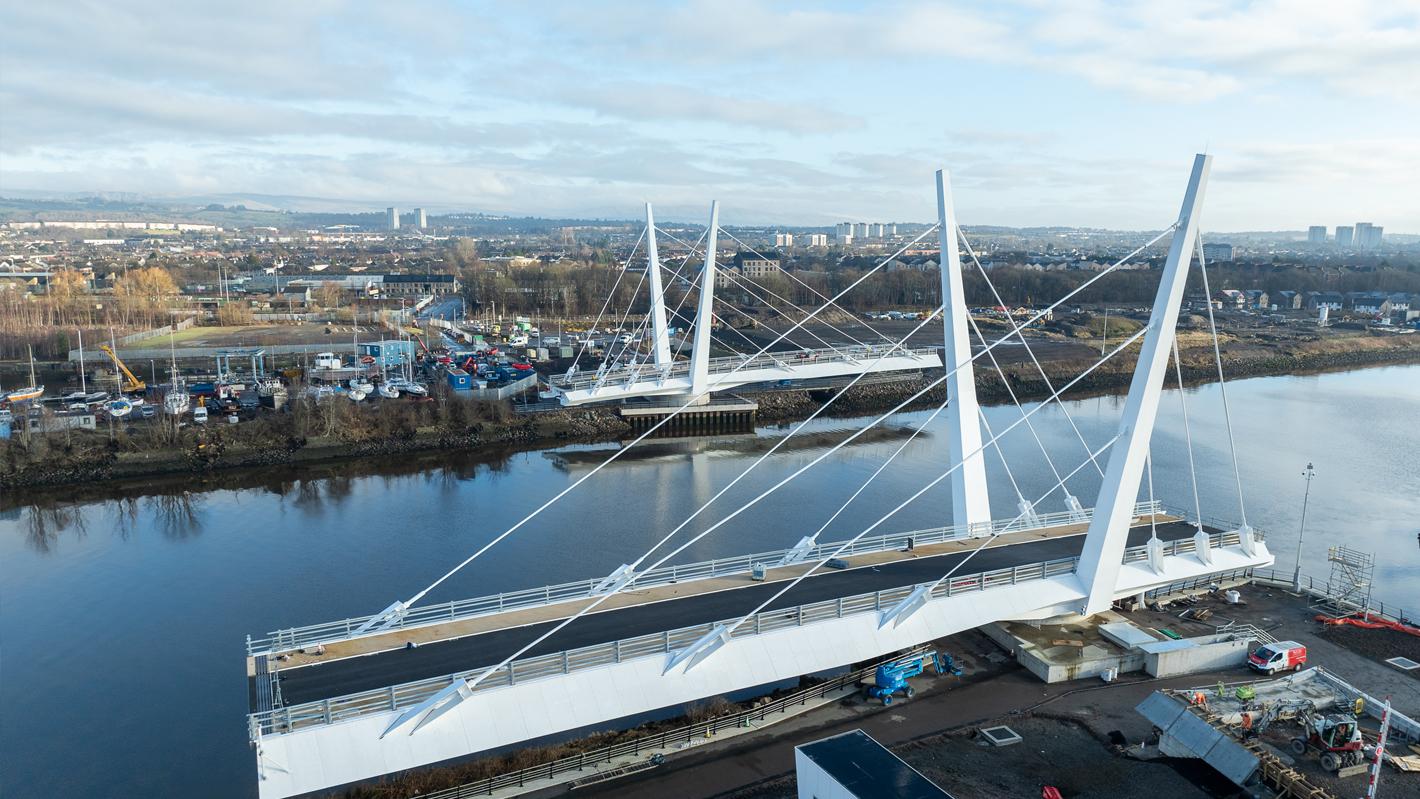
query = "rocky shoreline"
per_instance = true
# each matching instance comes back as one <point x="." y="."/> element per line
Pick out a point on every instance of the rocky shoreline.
<point x="115" y="470"/>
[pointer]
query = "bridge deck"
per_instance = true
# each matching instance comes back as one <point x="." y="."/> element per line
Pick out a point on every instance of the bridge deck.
<point x="379" y="661"/>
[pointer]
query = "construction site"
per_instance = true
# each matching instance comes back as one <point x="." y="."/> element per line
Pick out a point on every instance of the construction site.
<point x="1155" y="699"/>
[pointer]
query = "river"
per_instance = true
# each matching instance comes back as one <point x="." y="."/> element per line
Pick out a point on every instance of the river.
<point x="122" y="618"/>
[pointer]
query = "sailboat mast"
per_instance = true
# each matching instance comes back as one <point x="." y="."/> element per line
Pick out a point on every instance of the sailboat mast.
<point x="83" y="385"/>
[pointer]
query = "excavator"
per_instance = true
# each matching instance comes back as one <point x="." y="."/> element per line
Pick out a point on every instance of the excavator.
<point x="131" y="384"/>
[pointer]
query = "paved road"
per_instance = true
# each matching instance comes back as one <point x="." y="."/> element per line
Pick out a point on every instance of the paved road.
<point x="340" y="677"/>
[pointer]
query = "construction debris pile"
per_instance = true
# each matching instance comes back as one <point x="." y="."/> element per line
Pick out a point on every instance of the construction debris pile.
<point x="1309" y="734"/>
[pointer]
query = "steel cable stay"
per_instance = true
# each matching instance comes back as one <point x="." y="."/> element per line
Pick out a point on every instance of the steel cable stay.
<point x="728" y="275"/>
<point x="1025" y="417"/>
<point x="625" y="575"/>
<point x="724" y="633"/>
<point x="606" y="303"/>
<point x="395" y="611"/>
<point x="1149" y="471"/>
<point x="811" y="539"/>
<point x="1187" y="436"/>
<point x="1029" y="426"/>
<point x="1000" y="453"/>
<point x="846" y="544"/>
<point x="1222" y="384"/>
<point x="645" y="321"/>
<point x="740" y="282"/>
<point x="815" y="291"/>
<point x="627" y="572"/>
<point x="1020" y="334"/>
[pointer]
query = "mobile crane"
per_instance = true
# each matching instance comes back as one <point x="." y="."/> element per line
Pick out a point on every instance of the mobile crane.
<point x="131" y="384"/>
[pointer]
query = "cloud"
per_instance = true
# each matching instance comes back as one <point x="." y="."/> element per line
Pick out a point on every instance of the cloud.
<point x="1071" y="111"/>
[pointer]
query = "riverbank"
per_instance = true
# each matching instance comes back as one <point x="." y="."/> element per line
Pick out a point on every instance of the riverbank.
<point x="360" y="442"/>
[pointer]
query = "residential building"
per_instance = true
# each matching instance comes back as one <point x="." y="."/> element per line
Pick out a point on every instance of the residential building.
<point x="1343" y="235"/>
<point x="878" y="230"/>
<point x="783" y="239"/>
<point x="1369" y="303"/>
<point x="1362" y="233"/>
<point x="421" y="221"/>
<point x="1257" y="299"/>
<point x="1221" y="252"/>
<point x="1327" y="299"/>
<point x="1288" y="300"/>
<point x="842" y="229"/>
<point x="418" y="285"/>
<point x="1232" y="298"/>
<point x="392" y="218"/>
<point x="1316" y="234"/>
<point x="818" y="240"/>
<point x="860" y="230"/>
<point x="758" y="268"/>
<point x="1400" y="304"/>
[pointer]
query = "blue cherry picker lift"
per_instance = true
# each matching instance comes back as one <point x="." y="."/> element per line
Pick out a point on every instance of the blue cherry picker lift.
<point x="891" y="677"/>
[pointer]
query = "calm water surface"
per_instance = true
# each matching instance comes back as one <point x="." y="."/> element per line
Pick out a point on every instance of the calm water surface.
<point x="122" y="620"/>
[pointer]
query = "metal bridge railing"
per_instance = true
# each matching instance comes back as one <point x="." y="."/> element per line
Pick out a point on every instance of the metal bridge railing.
<point x="646" y="744"/>
<point x="769" y="360"/>
<point x="328" y="711"/>
<point x="294" y="638"/>
<point x="1321" y="588"/>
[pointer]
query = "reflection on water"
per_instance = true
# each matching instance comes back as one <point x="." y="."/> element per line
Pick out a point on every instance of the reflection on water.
<point x="112" y="582"/>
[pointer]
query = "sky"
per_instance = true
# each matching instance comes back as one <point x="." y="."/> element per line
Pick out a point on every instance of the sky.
<point x="1069" y="112"/>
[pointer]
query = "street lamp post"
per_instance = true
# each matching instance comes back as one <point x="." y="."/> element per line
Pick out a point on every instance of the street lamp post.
<point x="1309" y="473"/>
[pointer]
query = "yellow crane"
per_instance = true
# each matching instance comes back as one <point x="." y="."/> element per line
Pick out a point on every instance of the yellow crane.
<point x="131" y="383"/>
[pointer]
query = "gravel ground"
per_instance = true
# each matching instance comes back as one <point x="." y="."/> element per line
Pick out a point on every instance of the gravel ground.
<point x="1376" y="644"/>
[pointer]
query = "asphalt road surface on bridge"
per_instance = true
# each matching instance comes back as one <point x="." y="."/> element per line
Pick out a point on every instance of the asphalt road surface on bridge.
<point x="368" y="672"/>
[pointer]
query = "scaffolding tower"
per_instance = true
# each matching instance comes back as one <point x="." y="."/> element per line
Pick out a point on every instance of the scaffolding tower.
<point x="1348" y="588"/>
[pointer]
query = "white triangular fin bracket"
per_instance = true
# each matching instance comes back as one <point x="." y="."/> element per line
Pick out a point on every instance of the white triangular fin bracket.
<point x="613" y="582"/>
<point x="800" y="550"/>
<point x="698" y="651"/>
<point x="1077" y="511"/>
<point x="1029" y="518"/>
<point x="1155" y="548"/>
<point x="452" y="694"/>
<point x="1203" y="547"/>
<point x="384" y="619"/>
<point x="909" y="605"/>
<point x="1248" y="540"/>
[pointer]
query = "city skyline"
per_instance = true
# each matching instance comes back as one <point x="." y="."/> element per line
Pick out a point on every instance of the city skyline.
<point x="1074" y="115"/>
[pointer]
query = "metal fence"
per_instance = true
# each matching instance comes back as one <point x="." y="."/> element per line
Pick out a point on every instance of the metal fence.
<point x="1321" y="588"/>
<point x="294" y="638"/>
<point x="682" y="736"/>
<point x="328" y="711"/>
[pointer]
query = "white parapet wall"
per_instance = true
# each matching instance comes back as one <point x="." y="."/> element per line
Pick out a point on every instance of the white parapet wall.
<point x="321" y="757"/>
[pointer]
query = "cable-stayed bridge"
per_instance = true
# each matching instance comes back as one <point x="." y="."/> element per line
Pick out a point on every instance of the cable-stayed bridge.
<point x="352" y="700"/>
<point x="661" y="372"/>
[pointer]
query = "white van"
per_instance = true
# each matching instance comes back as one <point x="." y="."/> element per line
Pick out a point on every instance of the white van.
<point x="199" y="415"/>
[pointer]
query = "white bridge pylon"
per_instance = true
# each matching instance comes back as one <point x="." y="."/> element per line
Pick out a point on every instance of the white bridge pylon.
<point x="693" y="380"/>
